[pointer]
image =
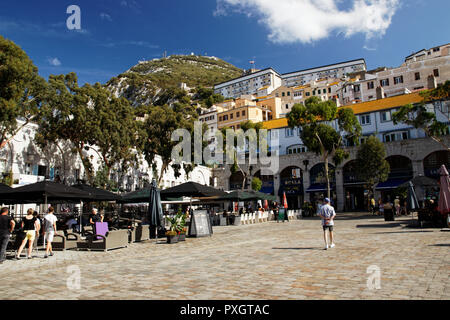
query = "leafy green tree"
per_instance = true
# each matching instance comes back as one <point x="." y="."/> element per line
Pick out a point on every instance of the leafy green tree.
<point x="371" y="164"/>
<point x="420" y="117"/>
<point x="114" y="128"/>
<point x="233" y="153"/>
<point x="65" y="116"/>
<point x="21" y="89"/>
<point x="103" y="181"/>
<point x="256" y="184"/>
<point x="319" y="136"/>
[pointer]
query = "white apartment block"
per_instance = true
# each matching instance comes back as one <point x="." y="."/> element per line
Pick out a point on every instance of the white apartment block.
<point x="422" y="70"/>
<point x="264" y="81"/>
<point x="337" y="71"/>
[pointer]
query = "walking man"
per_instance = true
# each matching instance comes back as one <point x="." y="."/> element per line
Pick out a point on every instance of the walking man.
<point x="327" y="214"/>
<point x="49" y="231"/>
<point x="7" y="225"/>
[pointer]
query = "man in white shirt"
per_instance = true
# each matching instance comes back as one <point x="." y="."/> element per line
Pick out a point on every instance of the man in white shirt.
<point x="327" y="214"/>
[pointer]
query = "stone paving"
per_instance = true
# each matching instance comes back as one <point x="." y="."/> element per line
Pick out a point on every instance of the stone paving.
<point x="261" y="261"/>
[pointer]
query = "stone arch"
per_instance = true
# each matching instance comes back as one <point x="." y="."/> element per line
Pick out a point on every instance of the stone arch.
<point x="291" y="184"/>
<point x="267" y="182"/>
<point x="236" y="179"/>
<point x="401" y="167"/>
<point x="433" y="161"/>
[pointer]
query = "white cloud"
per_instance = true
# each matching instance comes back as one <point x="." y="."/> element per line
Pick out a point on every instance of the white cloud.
<point x="54" y="62"/>
<point x="105" y="16"/>
<point x="305" y="21"/>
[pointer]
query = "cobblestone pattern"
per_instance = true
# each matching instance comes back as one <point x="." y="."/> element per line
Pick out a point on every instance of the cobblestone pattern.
<point x="261" y="261"/>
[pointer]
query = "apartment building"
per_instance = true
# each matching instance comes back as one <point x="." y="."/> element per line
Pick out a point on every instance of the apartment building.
<point x="422" y="70"/>
<point x="261" y="82"/>
<point x="336" y="71"/>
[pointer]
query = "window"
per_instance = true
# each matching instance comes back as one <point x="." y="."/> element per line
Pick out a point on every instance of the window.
<point x="289" y="93"/>
<point x="294" y="150"/>
<point x="384" y="82"/>
<point x="308" y="94"/>
<point x="319" y="92"/>
<point x="220" y="118"/>
<point x="417" y="76"/>
<point x="231" y="115"/>
<point x="398" y="80"/>
<point x="436" y="49"/>
<point x="238" y="114"/>
<point x="357" y="88"/>
<point x="243" y="113"/>
<point x="289" y="132"/>
<point x="329" y="90"/>
<point x="287" y="106"/>
<point x="225" y="118"/>
<point x="436" y="72"/>
<point x="282" y="94"/>
<point x="395" y="136"/>
<point x="385" y="116"/>
<point x="370" y="85"/>
<point x="364" y="119"/>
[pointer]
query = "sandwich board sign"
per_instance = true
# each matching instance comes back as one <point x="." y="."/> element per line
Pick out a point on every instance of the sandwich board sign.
<point x="200" y="225"/>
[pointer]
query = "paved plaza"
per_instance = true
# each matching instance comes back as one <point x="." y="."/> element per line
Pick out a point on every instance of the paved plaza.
<point x="260" y="261"/>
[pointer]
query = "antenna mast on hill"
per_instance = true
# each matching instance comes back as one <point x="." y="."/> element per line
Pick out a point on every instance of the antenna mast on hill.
<point x="165" y="54"/>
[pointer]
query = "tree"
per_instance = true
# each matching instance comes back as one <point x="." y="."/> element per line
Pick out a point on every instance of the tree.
<point x="20" y="90"/>
<point x="371" y="164"/>
<point x="234" y="153"/>
<point x="420" y="117"/>
<point x="65" y="116"/>
<point x="256" y="184"/>
<point x="156" y="138"/>
<point x="319" y="136"/>
<point x="114" y="128"/>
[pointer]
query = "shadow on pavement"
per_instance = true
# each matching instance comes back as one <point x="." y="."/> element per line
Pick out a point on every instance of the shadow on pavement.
<point x="440" y="245"/>
<point x="296" y="249"/>
<point x="383" y="225"/>
<point x="401" y="232"/>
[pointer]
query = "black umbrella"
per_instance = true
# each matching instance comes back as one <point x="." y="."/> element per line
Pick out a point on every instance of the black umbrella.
<point x="411" y="199"/>
<point x="42" y="192"/>
<point x="191" y="189"/>
<point x="99" y="194"/>
<point x="139" y="196"/>
<point x="155" y="214"/>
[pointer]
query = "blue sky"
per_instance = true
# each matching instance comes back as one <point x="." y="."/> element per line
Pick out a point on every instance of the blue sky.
<point x="286" y="35"/>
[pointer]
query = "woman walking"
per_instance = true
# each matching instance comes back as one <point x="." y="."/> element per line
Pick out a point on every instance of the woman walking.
<point x="29" y="226"/>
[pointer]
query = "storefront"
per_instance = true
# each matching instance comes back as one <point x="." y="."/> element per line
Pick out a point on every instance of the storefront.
<point x="291" y="183"/>
<point x="318" y="187"/>
<point x="355" y="191"/>
<point x="401" y="171"/>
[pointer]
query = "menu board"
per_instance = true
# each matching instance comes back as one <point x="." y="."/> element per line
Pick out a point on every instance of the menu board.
<point x="200" y="225"/>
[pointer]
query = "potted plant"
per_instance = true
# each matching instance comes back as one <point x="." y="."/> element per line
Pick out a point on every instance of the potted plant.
<point x="182" y="235"/>
<point x="176" y="227"/>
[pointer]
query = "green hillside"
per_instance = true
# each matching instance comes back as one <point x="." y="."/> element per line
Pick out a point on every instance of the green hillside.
<point x="147" y="81"/>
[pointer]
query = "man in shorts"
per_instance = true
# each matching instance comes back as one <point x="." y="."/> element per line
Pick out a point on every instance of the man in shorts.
<point x="327" y="214"/>
<point x="49" y="231"/>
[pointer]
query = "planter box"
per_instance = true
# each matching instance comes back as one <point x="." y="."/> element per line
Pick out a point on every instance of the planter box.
<point x="172" y="239"/>
<point x="182" y="237"/>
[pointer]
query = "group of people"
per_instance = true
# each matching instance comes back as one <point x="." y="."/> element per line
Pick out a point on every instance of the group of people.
<point x="398" y="207"/>
<point x="32" y="227"/>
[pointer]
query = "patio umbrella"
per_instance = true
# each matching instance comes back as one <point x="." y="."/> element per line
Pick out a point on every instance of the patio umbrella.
<point x="155" y="214"/>
<point x="191" y="189"/>
<point x="411" y="199"/>
<point x="99" y="194"/>
<point x="138" y="196"/>
<point x="285" y="204"/>
<point x="444" y="194"/>
<point x="45" y="191"/>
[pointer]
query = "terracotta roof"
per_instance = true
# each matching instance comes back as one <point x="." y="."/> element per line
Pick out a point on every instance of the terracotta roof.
<point x="386" y="103"/>
<point x="359" y="108"/>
